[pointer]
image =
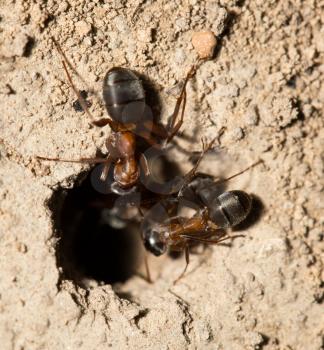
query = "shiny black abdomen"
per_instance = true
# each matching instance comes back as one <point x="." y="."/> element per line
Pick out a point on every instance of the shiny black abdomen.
<point x="124" y="95"/>
<point x="230" y="208"/>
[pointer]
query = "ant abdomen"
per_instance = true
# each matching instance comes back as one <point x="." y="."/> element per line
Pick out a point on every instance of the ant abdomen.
<point x="124" y="95"/>
<point x="230" y="208"/>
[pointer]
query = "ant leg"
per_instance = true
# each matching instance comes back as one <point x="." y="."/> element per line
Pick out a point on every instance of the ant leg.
<point x="205" y="148"/>
<point x="105" y="170"/>
<point x="147" y="136"/>
<point x="81" y="160"/>
<point x="209" y="234"/>
<point x="144" y="165"/>
<point x="105" y="161"/>
<point x="241" y="172"/>
<point x="187" y="263"/>
<point x="210" y="241"/>
<point x="175" y="128"/>
<point x="145" y="276"/>
<point x="101" y="122"/>
<point x="155" y="128"/>
<point x="147" y="269"/>
<point x="182" y="99"/>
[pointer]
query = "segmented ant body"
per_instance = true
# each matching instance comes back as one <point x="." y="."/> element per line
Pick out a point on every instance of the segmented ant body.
<point x="214" y="212"/>
<point x="124" y="97"/>
<point x="224" y="211"/>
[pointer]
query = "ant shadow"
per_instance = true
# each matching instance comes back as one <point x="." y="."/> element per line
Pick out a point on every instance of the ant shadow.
<point x="152" y="96"/>
<point x="154" y="111"/>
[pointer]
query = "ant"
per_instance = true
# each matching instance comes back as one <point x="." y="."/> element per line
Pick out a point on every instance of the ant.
<point x="215" y="212"/>
<point x="124" y="98"/>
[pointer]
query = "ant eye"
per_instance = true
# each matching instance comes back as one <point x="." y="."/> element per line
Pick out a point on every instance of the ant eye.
<point x="154" y="242"/>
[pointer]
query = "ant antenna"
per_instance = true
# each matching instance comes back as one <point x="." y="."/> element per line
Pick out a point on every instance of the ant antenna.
<point x="241" y="172"/>
<point x="65" y="62"/>
<point x="61" y="52"/>
<point x="205" y="148"/>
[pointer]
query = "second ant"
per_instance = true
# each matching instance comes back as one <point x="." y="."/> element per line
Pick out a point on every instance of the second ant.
<point x="215" y="211"/>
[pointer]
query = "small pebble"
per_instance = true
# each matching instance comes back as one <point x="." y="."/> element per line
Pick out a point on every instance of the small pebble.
<point x="83" y="28"/>
<point x="145" y="35"/>
<point x="17" y="45"/>
<point x="237" y="134"/>
<point x="21" y="247"/>
<point x="251" y="116"/>
<point x="308" y="110"/>
<point x="204" y="43"/>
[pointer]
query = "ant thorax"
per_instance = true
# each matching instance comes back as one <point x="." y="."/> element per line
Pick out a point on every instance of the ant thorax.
<point x="121" y="144"/>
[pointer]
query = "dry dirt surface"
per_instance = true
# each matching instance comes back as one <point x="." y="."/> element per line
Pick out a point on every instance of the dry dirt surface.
<point x="265" y="85"/>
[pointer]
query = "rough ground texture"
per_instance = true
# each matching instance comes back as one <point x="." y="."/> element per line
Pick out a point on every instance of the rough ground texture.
<point x="265" y="85"/>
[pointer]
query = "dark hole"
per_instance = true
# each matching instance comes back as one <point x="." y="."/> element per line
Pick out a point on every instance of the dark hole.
<point x="292" y="82"/>
<point x="92" y="243"/>
<point x="47" y="21"/>
<point x="76" y="104"/>
<point x="29" y="47"/>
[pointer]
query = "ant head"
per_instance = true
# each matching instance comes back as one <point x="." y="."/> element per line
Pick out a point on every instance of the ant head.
<point x="126" y="173"/>
<point x="155" y="241"/>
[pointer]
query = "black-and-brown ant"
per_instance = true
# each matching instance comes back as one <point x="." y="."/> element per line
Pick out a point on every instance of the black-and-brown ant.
<point x="124" y="97"/>
<point x="214" y="213"/>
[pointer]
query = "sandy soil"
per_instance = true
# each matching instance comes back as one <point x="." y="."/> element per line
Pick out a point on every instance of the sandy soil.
<point x="265" y="85"/>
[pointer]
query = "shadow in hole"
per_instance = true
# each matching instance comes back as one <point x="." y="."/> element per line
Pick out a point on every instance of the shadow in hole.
<point x="94" y="243"/>
<point x="89" y="247"/>
<point x="165" y="170"/>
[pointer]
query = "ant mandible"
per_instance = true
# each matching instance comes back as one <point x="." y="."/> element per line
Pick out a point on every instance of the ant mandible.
<point x="124" y="98"/>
